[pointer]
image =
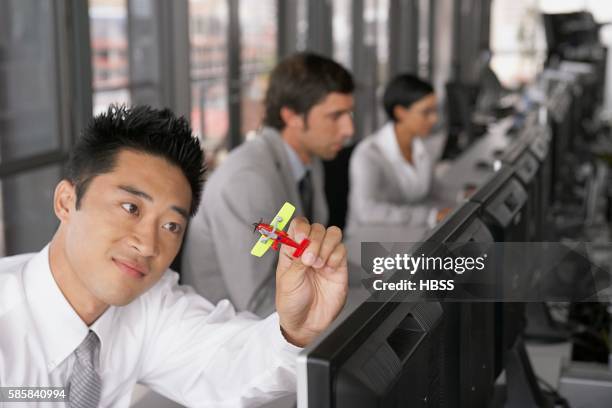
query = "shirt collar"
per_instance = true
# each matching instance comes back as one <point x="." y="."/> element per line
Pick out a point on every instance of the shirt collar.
<point x="388" y="143"/>
<point x="298" y="168"/>
<point x="60" y="328"/>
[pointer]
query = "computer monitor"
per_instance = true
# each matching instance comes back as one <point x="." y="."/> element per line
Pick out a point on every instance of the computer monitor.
<point x="526" y="167"/>
<point x="503" y="208"/>
<point x="468" y="327"/>
<point x="461" y="376"/>
<point x="569" y="29"/>
<point x="540" y="146"/>
<point x="385" y="354"/>
<point x="394" y="353"/>
<point x="460" y="107"/>
<point x="563" y="126"/>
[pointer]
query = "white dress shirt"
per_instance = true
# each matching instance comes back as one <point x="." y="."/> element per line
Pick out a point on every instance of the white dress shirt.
<point x="414" y="178"/>
<point x="169" y="338"/>
<point x="298" y="169"/>
<point x="386" y="188"/>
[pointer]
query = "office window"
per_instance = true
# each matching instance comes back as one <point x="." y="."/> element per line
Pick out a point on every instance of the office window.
<point x="301" y="25"/>
<point x="27" y="207"/>
<point x="29" y="118"/>
<point x="342" y="25"/>
<point x="382" y="42"/>
<point x="259" y="30"/>
<point x="208" y="28"/>
<point x="518" y="43"/>
<point x="32" y="131"/>
<point x="424" y="57"/>
<point x="108" y="21"/>
<point x="376" y="43"/>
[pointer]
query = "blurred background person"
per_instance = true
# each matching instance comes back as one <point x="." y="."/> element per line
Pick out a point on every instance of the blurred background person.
<point x="391" y="172"/>
<point x="308" y="108"/>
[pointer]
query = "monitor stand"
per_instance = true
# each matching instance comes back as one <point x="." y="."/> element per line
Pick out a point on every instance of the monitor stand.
<point x="541" y="326"/>
<point x="521" y="389"/>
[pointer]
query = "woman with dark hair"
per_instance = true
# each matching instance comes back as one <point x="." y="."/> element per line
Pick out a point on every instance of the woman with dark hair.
<point x="391" y="171"/>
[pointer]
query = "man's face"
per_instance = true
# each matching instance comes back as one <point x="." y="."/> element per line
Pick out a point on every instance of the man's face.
<point x="328" y="125"/>
<point x="129" y="227"/>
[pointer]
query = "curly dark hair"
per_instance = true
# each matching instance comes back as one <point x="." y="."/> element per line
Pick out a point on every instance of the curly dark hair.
<point x="139" y="128"/>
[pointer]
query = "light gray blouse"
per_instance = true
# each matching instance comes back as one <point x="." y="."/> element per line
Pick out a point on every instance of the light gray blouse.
<point x="384" y="187"/>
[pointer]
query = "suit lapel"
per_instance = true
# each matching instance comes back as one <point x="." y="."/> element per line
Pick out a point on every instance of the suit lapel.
<point x="273" y="143"/>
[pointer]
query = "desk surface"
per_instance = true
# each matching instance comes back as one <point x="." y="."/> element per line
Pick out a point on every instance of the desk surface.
<point x="475" y="166"/>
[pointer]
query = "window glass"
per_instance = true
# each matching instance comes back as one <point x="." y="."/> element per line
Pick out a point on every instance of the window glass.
<point x="108" y="29"/>
<point x="208" y="28"/>
<point x="517" y="42"/>
<point x="259" y="30"/>
<point x="29" y="90"/>
<point x="27" y="210"/>
<point x="302" y="25"/>
<point x="423" y="44"/>
<point x="382" y="41"/>
<point x="342" y="26"/>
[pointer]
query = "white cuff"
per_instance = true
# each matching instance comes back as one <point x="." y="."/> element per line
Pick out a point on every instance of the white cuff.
<point x="278" y="340"/>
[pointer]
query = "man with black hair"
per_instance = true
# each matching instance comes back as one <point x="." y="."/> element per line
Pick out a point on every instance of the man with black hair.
<point x="308" y="117"/>
<point x="98" y="310"/>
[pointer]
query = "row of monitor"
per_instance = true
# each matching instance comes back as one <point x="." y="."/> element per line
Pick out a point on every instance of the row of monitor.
<point x="442" y="354"/>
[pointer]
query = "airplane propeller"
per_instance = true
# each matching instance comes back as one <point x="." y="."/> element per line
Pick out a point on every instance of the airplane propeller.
<point x="255" y="224"/>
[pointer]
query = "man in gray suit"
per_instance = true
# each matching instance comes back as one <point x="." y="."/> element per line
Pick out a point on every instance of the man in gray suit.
<point x="308" y="117"/>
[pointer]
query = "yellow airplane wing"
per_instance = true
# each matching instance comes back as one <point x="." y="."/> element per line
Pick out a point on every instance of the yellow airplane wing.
<point x="261" y="247"/>
<point x="279" y="221"/>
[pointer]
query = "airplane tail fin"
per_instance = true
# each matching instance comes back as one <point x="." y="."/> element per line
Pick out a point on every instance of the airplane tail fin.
<point x="301" y="248"/>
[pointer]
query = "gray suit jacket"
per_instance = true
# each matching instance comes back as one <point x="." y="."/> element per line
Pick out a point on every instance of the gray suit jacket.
<point x="252" y="183"/>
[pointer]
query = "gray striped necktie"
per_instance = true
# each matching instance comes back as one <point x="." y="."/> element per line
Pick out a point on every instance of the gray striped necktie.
<point x="85" y="383"/>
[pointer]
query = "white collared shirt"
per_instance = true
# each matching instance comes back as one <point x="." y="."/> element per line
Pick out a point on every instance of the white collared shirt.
<point x="414" y="179"/>
<point x="385" y="188"/>
<point x="298" y="168"/>
<point x="169" y="338"/>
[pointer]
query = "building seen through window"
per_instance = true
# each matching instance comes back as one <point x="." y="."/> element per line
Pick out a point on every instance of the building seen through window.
<point x="342" y="27"/>
<point x="108" y="21"/>
<point x="258" y="28"/>
<point x="208" y="30"/>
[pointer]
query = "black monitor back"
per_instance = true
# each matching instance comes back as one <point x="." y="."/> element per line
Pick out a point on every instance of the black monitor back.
<point x="503" y="202"/>
<point x="569" y="29"/>
<point x="382" y="355"/>
<point x="469" y="327"/>
<point x="540" y="147"/>
<point x="563" y="126"/>
<point x="503" y="208"/>
<point x="527" y="170"/>
<point x="461" y="102"/>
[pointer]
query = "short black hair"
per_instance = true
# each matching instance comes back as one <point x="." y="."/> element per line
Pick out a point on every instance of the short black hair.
<point x="404" y="90"/>
<point x="142" y="129"/>
<point x="301" y="81"/>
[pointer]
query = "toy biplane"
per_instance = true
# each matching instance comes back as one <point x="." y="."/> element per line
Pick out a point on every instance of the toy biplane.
<point x="272" y="235"/>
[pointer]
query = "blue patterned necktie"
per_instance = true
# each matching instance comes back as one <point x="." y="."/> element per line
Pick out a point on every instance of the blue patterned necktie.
<point x="85" y="383"/>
